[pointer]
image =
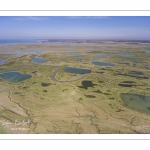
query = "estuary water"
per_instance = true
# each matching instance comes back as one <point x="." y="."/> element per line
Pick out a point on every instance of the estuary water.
<point x="18" y="41"/>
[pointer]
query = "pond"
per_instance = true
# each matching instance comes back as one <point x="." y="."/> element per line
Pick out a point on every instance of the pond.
<point x="124" y="63"/>
<point x="134" y="65"/>
<point x="136" y="102"/>
<point x="102" y="56"/>
<point x="45" y="84"/>
<point x="39" y="60"/>
<point x="100" y="72"/>
<point x="136" y="72"/>
<point x="148" y="52"/>
<point x="125" y="55"/>
<point x="126" y="84"/>
<point x="134" y="76"/>
<point x="77" y="70"/>
<point x="2" y="62"/>
<point x="14" y="76"/>
<point x="102" y="64"/>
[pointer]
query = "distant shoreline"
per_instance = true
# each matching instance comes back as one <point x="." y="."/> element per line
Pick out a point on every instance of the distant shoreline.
<point x="92" y="41"/>
<point x="42" y="41"/>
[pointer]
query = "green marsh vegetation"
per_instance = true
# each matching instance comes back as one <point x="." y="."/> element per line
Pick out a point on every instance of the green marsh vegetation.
<point x="106" y="100"/>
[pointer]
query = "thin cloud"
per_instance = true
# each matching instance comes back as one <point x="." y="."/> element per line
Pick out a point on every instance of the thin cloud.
<point x="37" y="18"/>
<point x="18" y="18"/>
<point x="30" y="18"/>
<point x="88" y="17"/>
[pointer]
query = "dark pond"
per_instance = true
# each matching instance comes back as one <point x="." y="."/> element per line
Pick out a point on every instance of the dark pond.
<point x="34" y="72"/>
<point x="126" y="84"/>
<point x="125" y="63"/>
<point x="134" y="76"/>
<point x="134" y="64"/>
<point x="101" y="72"/>
<point x="77" y="70"/>
<point x="39" y="60"/>
<point x="86" y="84"/>
<point x="90" y="96"/>
<point x="45" y="84"/>
<point x="102" y="56"/>
<point x="98" y="91"/>
<point x="136" y="102"/>
<point x="102" y="64"/>
<point x="125" y="55"/>
<point x="14" y="76"/>
<point x="136" y="72"/>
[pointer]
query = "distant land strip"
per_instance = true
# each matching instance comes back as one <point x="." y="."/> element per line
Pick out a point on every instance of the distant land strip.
<point x="74" y="10"/>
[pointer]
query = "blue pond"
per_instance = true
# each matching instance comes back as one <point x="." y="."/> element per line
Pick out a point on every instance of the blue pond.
<point x="148" y="52"/>
<point x="2" y="62"/>
<point x="102" y="64"/>
<point x="125" y="55"/>
<point x="14" y="76"/>
<point x="77" y="70"/>
<point x="39" y="60"/>
<point x="74" y="54"/>
<point x="102" y="56"/>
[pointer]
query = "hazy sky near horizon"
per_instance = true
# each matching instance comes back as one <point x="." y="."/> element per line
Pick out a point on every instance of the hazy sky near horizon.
<point x="68" y="27"/>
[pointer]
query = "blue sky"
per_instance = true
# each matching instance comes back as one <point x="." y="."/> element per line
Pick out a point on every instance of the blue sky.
<point x="68" y="27"/>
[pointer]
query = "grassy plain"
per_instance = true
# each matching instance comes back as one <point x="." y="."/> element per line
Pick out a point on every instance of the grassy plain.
<point x="59" y="104"/>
